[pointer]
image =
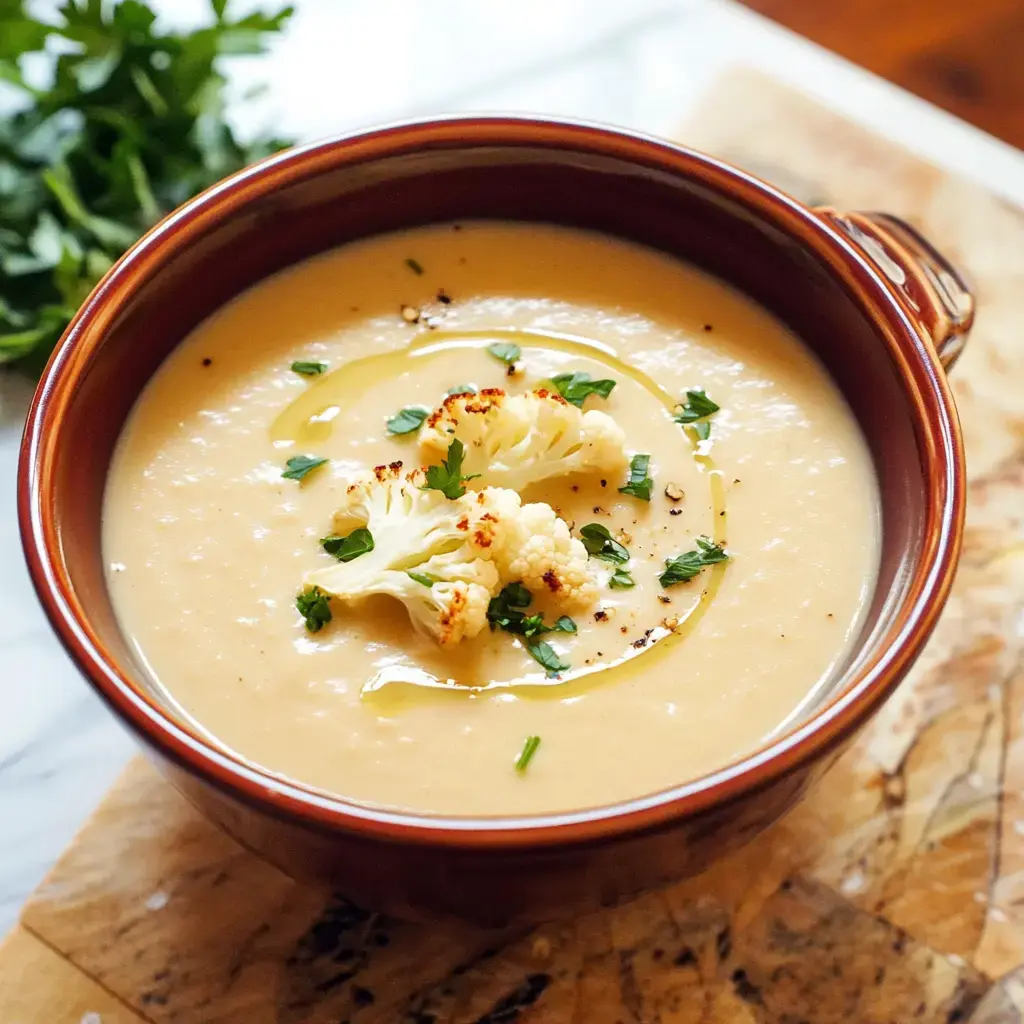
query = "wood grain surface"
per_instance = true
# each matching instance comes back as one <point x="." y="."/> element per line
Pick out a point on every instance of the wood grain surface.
<point x="965" y="57"/>
<point x="894" y="893"/>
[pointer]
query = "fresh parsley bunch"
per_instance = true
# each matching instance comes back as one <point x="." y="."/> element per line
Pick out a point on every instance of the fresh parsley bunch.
<point x="130" y="126"/>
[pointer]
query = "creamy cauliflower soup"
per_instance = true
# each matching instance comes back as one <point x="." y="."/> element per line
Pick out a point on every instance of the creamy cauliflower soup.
<point x="491" y="518"/>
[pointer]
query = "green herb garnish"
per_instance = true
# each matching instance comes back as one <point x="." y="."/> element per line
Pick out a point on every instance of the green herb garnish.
<point x="408" y="420"/>
<point x="640" y="483"/>
<point x="314" y="607"/>
<point x="577" y="386"/>
<point x="621" y="580"/>
<point x="505" y="611"/>
<point x="308" y="369"/>
<point x="544" y="654"/>
<point x="601" y="544"/>
<point x="526" y="754"/>
<point x="128" y="124"/>
<point x="447" y="478"/>
<point x="695" y="412"/>
<point x="414" y="265"/>
<point x="462" y="389"/>
<point x="344" y="549"/>
<point x="298" y="467"/>
<point x="506" y="351"/>
<point x="421" y="577"/>
<point x="684" y="567"/>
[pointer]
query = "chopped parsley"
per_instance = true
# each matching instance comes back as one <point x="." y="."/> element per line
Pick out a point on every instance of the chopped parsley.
<point x="601" y="544"/>
<point x="696" y="412"/>
<point x="408" y="420"/>
<point x="421" y="577"/>
<point x="621" y="580"/>
<point x="447" y="478"/>
<point x="506" y="351"/>
<point x="577" y="386"/>
<point x="344" y="549"/>
<point x="308" y="369"/>
<point x="462" y="389"/>
<point x="415" y="266"/>
<point x="506" y="612"/>
<point x="544" y="654"/>
<point x="640" y="482"/>
<point x="526" y="754"/>
<point x="298" y="467"/>
<point x="684" y="567"/>
<point x="314" y="607"/>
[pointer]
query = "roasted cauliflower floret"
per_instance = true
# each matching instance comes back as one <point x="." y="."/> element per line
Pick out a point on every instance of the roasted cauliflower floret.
<point x="514" y="441"/>
<point x="445" y="558"/>
<point x="432" y="553"/>
<point x="544" y="556"/>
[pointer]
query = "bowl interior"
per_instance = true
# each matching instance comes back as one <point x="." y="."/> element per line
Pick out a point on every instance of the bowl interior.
<point x="300" y="205"/>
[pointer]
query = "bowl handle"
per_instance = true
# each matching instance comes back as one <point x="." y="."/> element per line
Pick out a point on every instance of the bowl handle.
<point x="933" y="292"/>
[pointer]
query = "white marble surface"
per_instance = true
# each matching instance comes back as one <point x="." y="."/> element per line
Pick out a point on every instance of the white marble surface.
<point x="347" y="63"/>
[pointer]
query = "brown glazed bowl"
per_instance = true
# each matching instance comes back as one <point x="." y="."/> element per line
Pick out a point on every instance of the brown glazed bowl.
<point x="882" y="310"/>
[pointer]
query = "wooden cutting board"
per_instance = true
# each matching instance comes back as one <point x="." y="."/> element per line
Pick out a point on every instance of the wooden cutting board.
<point x="894" y="893"/>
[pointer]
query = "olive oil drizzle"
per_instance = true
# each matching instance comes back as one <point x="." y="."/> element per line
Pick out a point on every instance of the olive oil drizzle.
<point x="308" y="420"/>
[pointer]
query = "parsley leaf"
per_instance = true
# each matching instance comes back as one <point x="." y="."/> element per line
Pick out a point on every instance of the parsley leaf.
<point x="526" y="754"/>
<point x="344" y="549"/>
<point x="408" y="420"/>
<point x="621" y="580"/>
<point x="462" y="389"/>
<point x="308" y="369"/>
<point x="314" y="607"/>
<point x="684" y="567"/>
<point x="505" y="611"/>
<point x="640" y="482"/>
<point x="577" y="386"/>
<point x="300" y="466"/>
<point x="422" y="577"/>
<point x="128" y="124"/>
<point x="415" y="266"/>
<point x="695" y="412"/>
<point x="544" y="654"/>
<point x="447" y="478"/>
<point x="601" y="544"/>
<point x="506" y="351"/>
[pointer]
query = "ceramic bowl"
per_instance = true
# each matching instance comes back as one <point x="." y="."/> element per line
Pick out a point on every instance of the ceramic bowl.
<point x="883" y="311"/>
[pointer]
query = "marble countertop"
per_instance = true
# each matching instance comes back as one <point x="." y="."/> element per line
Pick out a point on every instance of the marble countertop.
<point x="344" y="64"/>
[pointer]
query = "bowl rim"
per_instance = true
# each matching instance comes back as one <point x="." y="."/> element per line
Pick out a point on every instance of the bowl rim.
<point x="862" y="690"/>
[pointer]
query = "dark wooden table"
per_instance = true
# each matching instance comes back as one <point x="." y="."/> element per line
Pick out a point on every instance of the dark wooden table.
<point x="966" y="56"/>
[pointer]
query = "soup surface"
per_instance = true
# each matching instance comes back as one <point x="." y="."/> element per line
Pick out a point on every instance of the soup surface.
<point x="207" y="545"/>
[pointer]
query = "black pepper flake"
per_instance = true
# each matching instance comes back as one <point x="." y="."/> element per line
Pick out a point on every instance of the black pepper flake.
<point x="601" y="616"/>
<point x="207" y="361"/>
<point x="664" y="599"/>
<point x="456" y="227"/>
<point x="444" y="298"/>
<point x="641" y="643"/>
<point x="511" y="371"/>
<point x="598" y="511"/>
<point x="600" y="654"/>
<point x="737" y="480"/>
<point x="722" y="513"/>
<point x="604" y="483"/>
<point x="675" y="511"/>
<point x="830" y="616"/>
<point x="622" y="629"/>
<point x="707" y="327"/>
<point x="574" y="487"/>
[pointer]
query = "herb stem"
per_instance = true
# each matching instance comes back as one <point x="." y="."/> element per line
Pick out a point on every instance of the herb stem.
<point x="526" y="754"/>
